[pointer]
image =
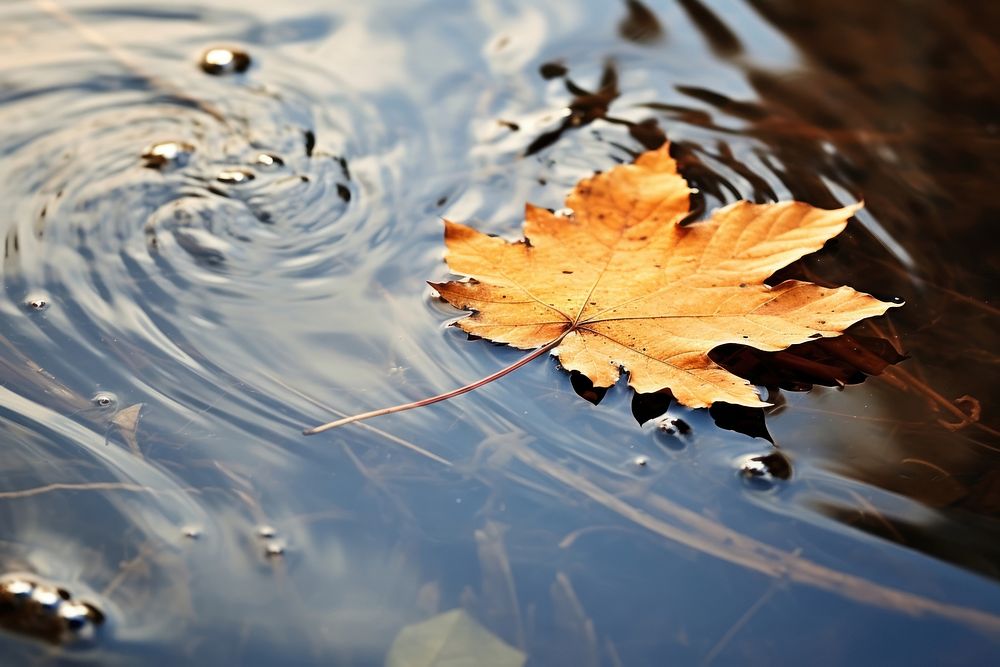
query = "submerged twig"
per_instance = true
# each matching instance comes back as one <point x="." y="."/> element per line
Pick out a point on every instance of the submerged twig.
<point x="696" y="531"/>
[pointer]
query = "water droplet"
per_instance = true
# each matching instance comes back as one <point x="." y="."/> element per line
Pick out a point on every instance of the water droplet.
<point x="234" y="176"/>
<point x="104" y="399"/>
<point x="266" y="531"/>
<point x="269" y="160"/>
<point x="274" y="549"/>
<point x="167" y="153"/>
<point x="222" y="60"/>
<point x="37" y="302"/>
<point x="897" y="299"/>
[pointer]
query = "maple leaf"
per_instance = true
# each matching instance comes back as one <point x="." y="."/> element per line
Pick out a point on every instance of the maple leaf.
<point x="621" y="285"/>
<point x="624" y="286"/>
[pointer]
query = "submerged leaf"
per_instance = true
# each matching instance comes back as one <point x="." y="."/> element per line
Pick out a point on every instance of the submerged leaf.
<point x="623" y="285"/>
<point x="127" y="421"/>
<point x="451" y="639"/>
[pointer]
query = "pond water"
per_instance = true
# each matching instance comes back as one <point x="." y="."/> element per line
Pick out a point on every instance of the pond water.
<point x="201" y="261"/>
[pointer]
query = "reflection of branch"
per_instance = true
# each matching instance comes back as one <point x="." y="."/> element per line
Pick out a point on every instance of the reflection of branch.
<point x="903" y="380"/>
<point x="127" y="567"/>
<point x="91" y="486"/>
<point x="94" y="38"/>
<point x="714" y="539"/>
<point x="964" y="419"/>
<point x="868" y="508"/>
<point x="568" y="610"/>
<point x="738" y="625"/>
<point x="924" y="282"/>
<point x="498" y="579"/>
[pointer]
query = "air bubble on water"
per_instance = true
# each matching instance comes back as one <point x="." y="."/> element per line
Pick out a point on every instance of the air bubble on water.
<point x="640" y="461"/>
<point x="104" y="399"/>
<point x="191" y="532"/>
<point x="667" y="434"/>
<point x="756" y="473"/>
<point x="74" y="614"/>
<point x="673" y="425"/>
<point x="234" y="176"/>
<point x="47" y="598"/>
<point x="37" y="302"/>
<point x="269" y="160"/>
<point x="18" y="588"/>
<point x="274" y="549"/>
<point x="266" y="531"/>
<point x="224" y="60"/>
<point x="166" y="153"/>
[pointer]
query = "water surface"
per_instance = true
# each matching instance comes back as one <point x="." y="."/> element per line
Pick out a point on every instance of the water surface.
<point x="262" y="269"/>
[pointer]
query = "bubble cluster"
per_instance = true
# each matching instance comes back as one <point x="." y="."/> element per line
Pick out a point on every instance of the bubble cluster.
<point x="274" y="547"/>
<point x="37" y="302"/>
<point x="33" y="607"/>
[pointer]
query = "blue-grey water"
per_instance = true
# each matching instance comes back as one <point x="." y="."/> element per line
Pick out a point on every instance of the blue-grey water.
<point x="170" y="323"/>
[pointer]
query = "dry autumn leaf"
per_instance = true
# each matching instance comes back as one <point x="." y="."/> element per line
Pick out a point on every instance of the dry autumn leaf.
<point x="620" y="284"/>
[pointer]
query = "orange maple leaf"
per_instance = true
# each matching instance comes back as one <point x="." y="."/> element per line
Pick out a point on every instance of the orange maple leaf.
<point x="619" y="284"/>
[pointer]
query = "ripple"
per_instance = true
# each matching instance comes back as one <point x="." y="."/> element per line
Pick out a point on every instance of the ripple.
<point x="156" y="212"/>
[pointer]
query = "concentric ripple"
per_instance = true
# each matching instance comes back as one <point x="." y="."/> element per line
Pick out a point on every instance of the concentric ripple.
<point x="258" y="195"/>
<point x="144" y="215"/>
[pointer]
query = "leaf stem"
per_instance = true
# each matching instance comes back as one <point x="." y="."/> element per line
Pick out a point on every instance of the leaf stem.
<point x="528" y="358"/>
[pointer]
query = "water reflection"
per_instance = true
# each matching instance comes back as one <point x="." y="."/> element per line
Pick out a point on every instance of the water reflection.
<point x="235" y="311"/>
